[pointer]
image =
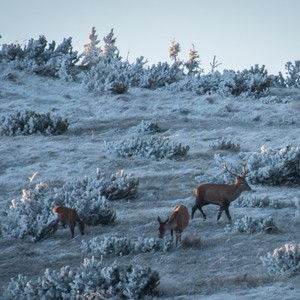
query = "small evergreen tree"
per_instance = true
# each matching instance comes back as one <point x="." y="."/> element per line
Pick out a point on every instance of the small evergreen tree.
<point x="174" y="50"/>
<point x="193" y="63"/>
<point x="110" y="51"/>
<point x="91" y="51"/>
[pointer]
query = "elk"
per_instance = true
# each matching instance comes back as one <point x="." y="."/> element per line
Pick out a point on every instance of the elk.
<point x="68" y="216"/>
<point x="178" y="221"/>
<point x="221" y="194"/>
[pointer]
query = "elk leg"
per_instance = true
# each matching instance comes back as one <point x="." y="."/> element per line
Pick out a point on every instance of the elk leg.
<point x="178" y="236"/>
<point x="226" y="208"/>
<point x="172" y="234"/>
<point x="220" y="213"/>
<point x="72" y="228"/>
<point x="200" y="209"/>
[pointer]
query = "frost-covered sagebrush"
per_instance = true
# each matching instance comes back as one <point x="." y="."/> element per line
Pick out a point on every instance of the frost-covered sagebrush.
<point x="251" y="225"/>
<point x="28" y="215"/>
<point x="155" y="147"/>
<point x="147" y="127"/>
<point x="224" y="144"/>
<point x="283" y="260"/>
<point x="252" y="201"/>
<point x="110" y="245"/>
<point x="91" y="280"/>
<point x="275" y="167"/>
<point x="30" y="122"/>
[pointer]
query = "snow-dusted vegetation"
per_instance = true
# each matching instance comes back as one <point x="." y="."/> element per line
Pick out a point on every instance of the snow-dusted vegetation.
<point x="123" y="143"/>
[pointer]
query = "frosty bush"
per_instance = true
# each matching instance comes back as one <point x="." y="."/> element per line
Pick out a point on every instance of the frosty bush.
<point x="89" y="195"/>
<point x="27" y="216"/>
<point x="31" y="122"/>
<point x="293" y="74"/>
<point x="284" y="260"/>
<point x="147" y="127"/>
<point x="161" y="75"/>
<point x="253" y="82"/>
<point x="110" y="245"/>
<point x="155" y="147"/>
<point x="224" y="144"/>
<point x="250" y="201"/>
<point x="91" y="278"/>
<point x="120" y="186"/>
<point x="251" y="225"/>
<point x="276" y="167"/>
<point x="37" y="58"/>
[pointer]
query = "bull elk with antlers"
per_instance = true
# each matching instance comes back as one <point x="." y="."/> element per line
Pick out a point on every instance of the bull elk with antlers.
<point x="221" y="194"/>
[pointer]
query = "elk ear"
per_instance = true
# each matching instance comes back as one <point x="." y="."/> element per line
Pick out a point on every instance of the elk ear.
<point x="158" y="219"/>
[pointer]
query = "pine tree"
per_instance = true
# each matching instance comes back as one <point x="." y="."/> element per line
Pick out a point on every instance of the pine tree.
<point x="91" y="52"/>
<point x="110" y="51"/>
<point x="193" y="63"/>
<point x="174" y="50"/>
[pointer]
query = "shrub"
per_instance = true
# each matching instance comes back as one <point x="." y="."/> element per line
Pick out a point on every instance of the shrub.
<point x="250" y="201"/>
<point x="89" y="195"/>
<point x="26" y="217"/>
<point x="123" y="246"/>
<point x="284" y="260"/>
<point x="293" y="74"/>
<point x="30" y="215"/>
<point x="120" y="186"/>
<point x="224" y="144"/>
<point x="89" y="280"/>
<point x="251" y="225"/>
<point x="252" y="82"/>
<point x="275" y="167"/>
<point x="157" y="148"/>
<point x="31" y="122"/>
<point x="147" y="127"/>
<point x="161" y="75"/>
<point x="37" y="58"/>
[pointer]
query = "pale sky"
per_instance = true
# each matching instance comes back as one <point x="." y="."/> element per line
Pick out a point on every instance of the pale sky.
<point x="241" y="33"/>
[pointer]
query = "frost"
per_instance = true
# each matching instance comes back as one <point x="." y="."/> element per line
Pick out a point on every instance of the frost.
<point x="156" y="148"/>
<point x="251" y="225"/>
<point x="283" y="260"/>
<point x="92" y="280"/>
<point x="110" y="245"/>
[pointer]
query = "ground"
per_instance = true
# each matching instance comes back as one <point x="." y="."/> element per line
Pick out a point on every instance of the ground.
<point x="221" y="263"/>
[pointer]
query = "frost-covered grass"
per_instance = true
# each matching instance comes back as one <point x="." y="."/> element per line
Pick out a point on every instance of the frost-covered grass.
<point x="110" y="245"/>
<point x="283" y="260"/>
<point x="153" y="148"/>
<point x="91" y="280"/>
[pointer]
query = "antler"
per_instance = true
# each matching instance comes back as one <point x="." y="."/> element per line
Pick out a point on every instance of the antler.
<point x="245" y="172"/>
<point x="226" y="169"/>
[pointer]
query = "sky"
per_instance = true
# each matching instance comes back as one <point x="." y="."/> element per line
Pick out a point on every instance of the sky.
<point x="241" y="33"/>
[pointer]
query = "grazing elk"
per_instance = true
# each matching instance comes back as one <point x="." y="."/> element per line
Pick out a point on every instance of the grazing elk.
<point x="178" y="220"/>
<point x="221" y="194"/>
<point x="68" y="216"/>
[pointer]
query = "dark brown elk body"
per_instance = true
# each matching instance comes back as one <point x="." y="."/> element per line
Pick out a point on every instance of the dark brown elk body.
<point x="220" y="194"/>
<point x="178" y="221"/>
<point x="68" y="216"/>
